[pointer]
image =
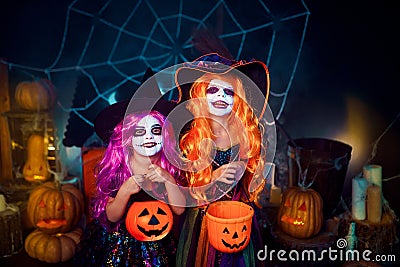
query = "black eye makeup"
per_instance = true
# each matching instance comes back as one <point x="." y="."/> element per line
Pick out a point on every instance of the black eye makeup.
<point x="141" y="131"/>
<point x="156" y="130"/>
<point x="214" y="89"/>
<point x="229" y="92"/>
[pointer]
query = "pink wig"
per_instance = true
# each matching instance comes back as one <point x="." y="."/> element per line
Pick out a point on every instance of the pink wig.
<point x="113" y="171"/>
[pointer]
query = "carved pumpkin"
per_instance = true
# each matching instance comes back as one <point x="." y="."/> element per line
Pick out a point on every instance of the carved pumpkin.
<point x="229" y="225"/>
<point x="36" y="166"/>
<point x="300" y="214"/>
<point x="53" y="208"/>
<point x="149" y="220"/>
<point x="52" y="248"/>
<point x="35" y="95"/>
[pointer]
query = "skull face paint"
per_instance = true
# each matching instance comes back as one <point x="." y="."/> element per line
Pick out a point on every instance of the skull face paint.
<point x="147" y="138"/>
<point x="219" y="96"/>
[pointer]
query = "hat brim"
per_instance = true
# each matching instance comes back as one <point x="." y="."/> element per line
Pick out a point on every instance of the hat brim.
<point x="109" y="117"/>
<point x="252" y="72"/>
<point x="146" y="98"/>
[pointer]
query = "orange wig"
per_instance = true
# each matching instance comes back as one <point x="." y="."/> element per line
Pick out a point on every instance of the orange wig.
<point x="196" y="144"/>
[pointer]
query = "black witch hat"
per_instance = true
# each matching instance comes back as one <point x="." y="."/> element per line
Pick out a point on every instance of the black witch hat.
<point x="148" y="97"/>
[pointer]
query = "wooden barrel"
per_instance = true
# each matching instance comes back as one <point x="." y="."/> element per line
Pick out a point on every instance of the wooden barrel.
<point x="10" y="231"/>
<point x="380" y="238"/>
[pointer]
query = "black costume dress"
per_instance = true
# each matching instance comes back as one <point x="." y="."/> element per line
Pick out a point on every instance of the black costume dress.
<point x="194" y="232"/>
<point x="100" y="247"/>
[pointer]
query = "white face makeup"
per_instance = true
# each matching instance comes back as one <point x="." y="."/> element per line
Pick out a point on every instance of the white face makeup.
<point x="147" y="138"/>
<point x="220" y="97"/>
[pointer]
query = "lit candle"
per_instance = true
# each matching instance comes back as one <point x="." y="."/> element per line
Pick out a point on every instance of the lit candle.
<point x="374" y="204"/>
<point x="3" y="203"/>
<point x="373" y="174"/>
<point x="359" y="191"/>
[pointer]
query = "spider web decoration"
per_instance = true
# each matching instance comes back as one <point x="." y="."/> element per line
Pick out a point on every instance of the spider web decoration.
<point x="111" y="43"/>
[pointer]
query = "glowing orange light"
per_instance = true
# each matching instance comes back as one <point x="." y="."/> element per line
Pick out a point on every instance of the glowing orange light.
<point x="298" y="222"/>
<point x="38" y="177"/>
<point x="356" y="131"/>
<point x="291" y="220"/>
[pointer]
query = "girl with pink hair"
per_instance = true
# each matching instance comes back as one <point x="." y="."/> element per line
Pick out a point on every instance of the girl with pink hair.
<point x="133" y="170"/>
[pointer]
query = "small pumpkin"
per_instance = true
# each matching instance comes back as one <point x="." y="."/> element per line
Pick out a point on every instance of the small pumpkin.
<point x="36" y="167"/>
<point x="55" y="208"/>
<point x="229" y="225"/>
<point x="35" y="95"/>
<point x="149" y="220"/>
<point x="52" y="248"/>
<point x="300" y="214"/>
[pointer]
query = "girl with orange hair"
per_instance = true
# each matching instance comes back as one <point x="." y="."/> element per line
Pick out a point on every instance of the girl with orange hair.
<point x="223" y="146"/>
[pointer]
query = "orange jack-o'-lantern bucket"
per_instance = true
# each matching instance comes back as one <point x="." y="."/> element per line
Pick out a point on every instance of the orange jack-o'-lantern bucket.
<point x="149" y="220"/>
<point x="229" y="225"/>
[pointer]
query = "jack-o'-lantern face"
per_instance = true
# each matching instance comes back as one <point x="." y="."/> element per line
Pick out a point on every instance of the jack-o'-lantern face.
<point x="229" y="225"/>
<point x="55" y="209"/>
<point x="149" y="220"/>
<point x="234" y="239"/>
<point x="300" y="214"/>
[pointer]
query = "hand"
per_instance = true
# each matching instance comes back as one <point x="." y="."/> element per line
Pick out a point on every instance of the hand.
<point x="132" y="185"/>
<point x="229" y="173"/>
<point x="158" y="175"/>
<point x="116" y="206"/>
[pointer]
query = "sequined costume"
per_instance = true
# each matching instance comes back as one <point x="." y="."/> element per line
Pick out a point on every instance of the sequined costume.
<point x="118" y="248"/>
<point x="193" y="247"/>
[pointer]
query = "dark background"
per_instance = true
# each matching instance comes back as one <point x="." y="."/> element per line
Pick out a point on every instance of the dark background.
<point x="344" y="87"/>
